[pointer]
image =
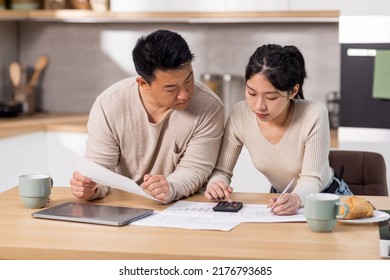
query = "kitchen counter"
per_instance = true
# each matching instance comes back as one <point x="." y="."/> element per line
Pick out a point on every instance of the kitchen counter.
<point x="67" y="122"/>
<point x="42" y="122"/>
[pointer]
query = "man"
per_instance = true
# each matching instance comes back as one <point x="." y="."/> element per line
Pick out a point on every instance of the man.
<point x="160" y="129"/>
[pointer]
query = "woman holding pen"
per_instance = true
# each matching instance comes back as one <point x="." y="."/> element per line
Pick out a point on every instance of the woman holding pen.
<point x="287" y="137"/>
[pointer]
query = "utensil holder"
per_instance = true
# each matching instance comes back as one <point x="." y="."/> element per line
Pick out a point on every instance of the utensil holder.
<point x="26" y="95"/>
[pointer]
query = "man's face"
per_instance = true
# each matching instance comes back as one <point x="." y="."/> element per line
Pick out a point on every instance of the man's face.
<point x="173" y="89"/>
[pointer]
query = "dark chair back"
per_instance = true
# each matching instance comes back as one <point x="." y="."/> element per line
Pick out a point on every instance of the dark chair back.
<point x="364" y="172"/>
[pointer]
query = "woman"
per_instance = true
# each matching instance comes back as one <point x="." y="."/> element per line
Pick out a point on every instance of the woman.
<point x="286" y="136"/>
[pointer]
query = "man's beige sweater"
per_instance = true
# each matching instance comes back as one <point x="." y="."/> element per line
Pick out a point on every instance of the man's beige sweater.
<point x="183" y="146"/>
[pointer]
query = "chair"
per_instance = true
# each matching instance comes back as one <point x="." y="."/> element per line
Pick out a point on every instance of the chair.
<point x="364" y="172"/>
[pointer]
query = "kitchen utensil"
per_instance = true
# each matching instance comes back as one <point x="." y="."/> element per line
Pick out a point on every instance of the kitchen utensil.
<point x="55" y="4"/>
<point x="15" y="73"/>
<point x="99" y="5"/>
<point x="25" y="95"/>
<point x="81" y="4"/>
<point x="40" y="65"/>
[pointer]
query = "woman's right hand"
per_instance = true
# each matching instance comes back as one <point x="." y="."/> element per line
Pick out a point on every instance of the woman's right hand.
<point x="218" y="191"/>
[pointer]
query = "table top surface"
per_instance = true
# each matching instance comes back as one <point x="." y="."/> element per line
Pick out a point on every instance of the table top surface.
<point x="24" y="237"/>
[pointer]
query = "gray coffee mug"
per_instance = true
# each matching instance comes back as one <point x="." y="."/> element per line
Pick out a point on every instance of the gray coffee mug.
<point x="321" y="211"/>
<point x="35" y="189"/>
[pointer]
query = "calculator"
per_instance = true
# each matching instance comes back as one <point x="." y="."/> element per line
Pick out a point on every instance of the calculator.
<point x="225" y="206"/>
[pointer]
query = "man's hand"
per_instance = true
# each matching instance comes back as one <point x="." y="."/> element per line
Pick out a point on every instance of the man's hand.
<point x="158" y="187"/>
<point x="82" y="187"/>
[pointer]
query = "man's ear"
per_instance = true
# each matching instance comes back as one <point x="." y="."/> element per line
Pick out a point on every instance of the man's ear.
<point x="142" y="83"/>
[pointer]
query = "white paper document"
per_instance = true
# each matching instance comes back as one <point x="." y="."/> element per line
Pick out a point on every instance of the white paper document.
<point x="200" y="215"/>
<point x="172" y="219"/>
<point x="102" y="175"/>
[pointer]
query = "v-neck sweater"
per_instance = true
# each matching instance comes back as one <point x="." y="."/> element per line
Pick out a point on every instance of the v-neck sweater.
<point x="302" y="152"/>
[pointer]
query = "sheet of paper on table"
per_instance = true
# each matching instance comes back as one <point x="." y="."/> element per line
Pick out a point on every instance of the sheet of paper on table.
<point x="200" y="215"/>
<point x="102" y="175"/>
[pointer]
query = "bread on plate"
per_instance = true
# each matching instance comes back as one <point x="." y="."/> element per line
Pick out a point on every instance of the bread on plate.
<point x="359" y="208"/>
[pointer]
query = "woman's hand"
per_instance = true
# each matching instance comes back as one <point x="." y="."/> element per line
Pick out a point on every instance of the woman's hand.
<point x="288" y="204"/>
<point x="217" y="191"/>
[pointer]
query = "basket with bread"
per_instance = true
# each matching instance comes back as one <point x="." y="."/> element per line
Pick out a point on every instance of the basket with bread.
<point x="359" y="208"/>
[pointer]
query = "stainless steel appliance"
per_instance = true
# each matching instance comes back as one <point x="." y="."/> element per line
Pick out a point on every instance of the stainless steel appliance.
<point x="229" y="88"/>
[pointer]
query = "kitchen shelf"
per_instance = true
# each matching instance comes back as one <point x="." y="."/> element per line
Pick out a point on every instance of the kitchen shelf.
<point x="81" y="16"/>
<point x="6" y="15"/>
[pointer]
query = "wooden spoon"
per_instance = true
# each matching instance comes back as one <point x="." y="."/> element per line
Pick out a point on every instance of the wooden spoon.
<point x="40" y="65"/>
<point x="15" y="73"/>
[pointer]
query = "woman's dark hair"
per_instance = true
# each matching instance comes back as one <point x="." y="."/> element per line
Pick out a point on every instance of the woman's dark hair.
<point x="160" y="50"/>
<point x="284" y="67"/>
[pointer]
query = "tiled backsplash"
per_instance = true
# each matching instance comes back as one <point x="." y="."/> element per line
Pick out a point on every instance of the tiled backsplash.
<point x="8" y="54"/>
<point x="85" y="58"/>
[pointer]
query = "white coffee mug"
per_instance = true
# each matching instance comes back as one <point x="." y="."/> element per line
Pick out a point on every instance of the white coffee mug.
<point x="322" y="209"/>
<point x="35" y="189"/>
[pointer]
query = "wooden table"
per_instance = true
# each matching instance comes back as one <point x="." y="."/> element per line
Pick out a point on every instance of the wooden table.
<point x="24" y="237"/>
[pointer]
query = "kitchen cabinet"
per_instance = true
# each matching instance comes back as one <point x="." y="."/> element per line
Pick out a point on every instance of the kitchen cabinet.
<point x="58" y="162"/>
<point x="228" y="16"/>
<point x="167" y="6"/>
<point x="23" y="154"/>
<point x="36" y="144"/>
<point x="46" y="152"/>
<point x="318" y="5"/>
<point x="39" y="153"/>
<point x="198" y="6"/>
<point x="257" y="5"/>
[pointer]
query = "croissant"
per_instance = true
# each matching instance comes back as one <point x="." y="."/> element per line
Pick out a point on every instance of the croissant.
<point x="359" y="207"/>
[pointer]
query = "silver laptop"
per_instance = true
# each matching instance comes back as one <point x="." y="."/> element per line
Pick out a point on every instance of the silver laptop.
<point x="93" y="213"/>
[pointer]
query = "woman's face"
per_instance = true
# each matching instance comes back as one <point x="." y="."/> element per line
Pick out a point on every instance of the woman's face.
<point x="268" y="103"/>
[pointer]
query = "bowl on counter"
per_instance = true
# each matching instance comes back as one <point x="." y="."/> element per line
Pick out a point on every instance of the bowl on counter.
<point x="25" y="4"/>
<point x="9" y="110"/>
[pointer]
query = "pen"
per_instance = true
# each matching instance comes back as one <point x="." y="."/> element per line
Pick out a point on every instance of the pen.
<point x="285" y="190"/>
